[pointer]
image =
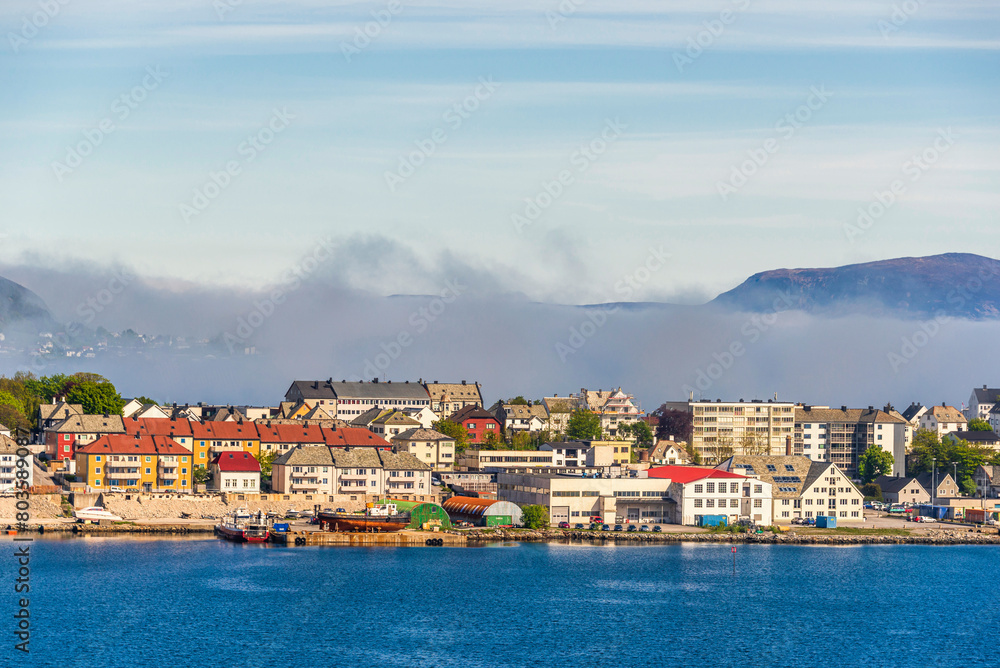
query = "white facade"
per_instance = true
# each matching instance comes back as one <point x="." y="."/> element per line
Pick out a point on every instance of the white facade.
<point x="943" y="420"/>
<point x="735" y="497"/>
<point x="237" y="481"/>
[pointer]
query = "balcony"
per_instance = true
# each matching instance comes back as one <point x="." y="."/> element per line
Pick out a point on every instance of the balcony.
<point x="167" y="473"/>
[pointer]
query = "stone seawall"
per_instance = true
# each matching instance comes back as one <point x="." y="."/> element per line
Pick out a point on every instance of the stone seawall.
<point x="943" y="537"/>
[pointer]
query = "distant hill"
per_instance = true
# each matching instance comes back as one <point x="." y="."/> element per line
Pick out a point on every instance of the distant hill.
<point x="22" y="309"/>
<point x="961" y="285"/>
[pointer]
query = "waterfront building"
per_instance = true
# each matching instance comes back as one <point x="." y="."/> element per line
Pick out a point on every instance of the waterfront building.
<point x="575" y="498"/>
<point x="139" y="461"/>
<point x="483" y="512"/>
<point x="939" y="483"/>
<point x="698" y="491"/>
<point x="236" y="472"/>
<point x="802" y="488"/>
<point x="355" y="471"/>
<point x="902" y="489"/>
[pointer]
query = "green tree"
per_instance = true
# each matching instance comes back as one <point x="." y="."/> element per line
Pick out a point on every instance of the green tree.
<point x="200" y="474"/>
<point x="492" y="442"/>
<point x="266" y="460"/>
<point x="522" y="440"/>
<point x="954" y="456"/>
<point x="519" y="401"/>
<point x="455" y="431"/>
<point x="979" y="424"/>
<point x="872" y="491"/>
<point x="147" y="400"/>
<point x="584" y="425"/>
<point x="643" y="434"/>
<point x="534" y="517"/>
<point x="873" y="463"/>
<point x="96" y="398"/>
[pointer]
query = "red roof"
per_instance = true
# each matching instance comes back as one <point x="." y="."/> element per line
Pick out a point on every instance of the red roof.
<point x="686" y="474"/>
<point x="125" y="444"/>
<point x="225" y="431"/>
<point x="157" y="426"/>
<point x="351" y="436"/>
<point x="237" y="461"/>
<point x="291" y="433"/>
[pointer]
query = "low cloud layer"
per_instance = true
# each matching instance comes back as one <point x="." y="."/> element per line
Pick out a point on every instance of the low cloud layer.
<point x="328" y="324"/>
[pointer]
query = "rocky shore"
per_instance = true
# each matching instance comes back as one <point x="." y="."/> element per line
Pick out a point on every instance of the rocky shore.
<point x="933" y="537"/>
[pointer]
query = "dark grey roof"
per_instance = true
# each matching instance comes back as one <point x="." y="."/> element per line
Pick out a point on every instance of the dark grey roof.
<point x="387" y="390"/>
<point x="976" y="436"/>
<point x="987" y="395"/>
<point x="893" y="484"/>
<point x="911" y="411"/>
<point x="367" y="417"/>
<point x="312" y="389"/>
<point x="925" y="478"/>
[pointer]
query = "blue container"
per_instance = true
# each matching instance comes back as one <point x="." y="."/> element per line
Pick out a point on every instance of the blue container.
<point x="710" y="520"/>
<point x="826" y="522"/>
<point x="280" y="528"/>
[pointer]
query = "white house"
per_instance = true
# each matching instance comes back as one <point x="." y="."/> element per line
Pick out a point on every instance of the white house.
<point x="943" y="419"/>
<point x="982" y="401"/>
<point x="234" y="471"/>
<point x="9" y="467"/>
<point x="700" y="491"/>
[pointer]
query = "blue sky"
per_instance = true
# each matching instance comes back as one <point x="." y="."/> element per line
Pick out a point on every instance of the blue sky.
<point x="558" y="78"/>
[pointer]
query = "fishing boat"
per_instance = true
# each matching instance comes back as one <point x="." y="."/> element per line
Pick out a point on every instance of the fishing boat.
<point x="241" y="526"/>
<point x="375" y="519"/>
<point x="95" y="514"/>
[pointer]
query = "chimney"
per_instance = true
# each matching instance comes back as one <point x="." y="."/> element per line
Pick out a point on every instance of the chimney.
<point x="843" y="408"/>
<point x="788" y="446"/>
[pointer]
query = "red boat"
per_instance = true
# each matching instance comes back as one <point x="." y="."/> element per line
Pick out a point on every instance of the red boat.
<point x="244" y="527"/>
<point x="375" y="519"/>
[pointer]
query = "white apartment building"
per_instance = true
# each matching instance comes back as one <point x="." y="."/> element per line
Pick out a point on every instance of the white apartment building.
<point x="700" y="491"/>
<point x="721" y="429"/>
<point x="943" y="420"/>
<point x="842" y="435"/>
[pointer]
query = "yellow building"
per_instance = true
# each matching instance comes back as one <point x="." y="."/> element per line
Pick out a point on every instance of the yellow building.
<point x="212" y="438"/>
<point x="146" y="463"/>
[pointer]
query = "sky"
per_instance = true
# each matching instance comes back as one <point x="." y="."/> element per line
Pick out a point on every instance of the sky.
<point x="645" y="108"/>
<point x="556" y="153"/>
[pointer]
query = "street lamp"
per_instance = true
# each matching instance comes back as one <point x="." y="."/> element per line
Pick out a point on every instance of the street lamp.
<point x="954" y="467"/>
<point x="933" y="476"/>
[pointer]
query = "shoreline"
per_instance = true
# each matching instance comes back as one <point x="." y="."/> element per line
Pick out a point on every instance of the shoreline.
<point x="179" y="528"/>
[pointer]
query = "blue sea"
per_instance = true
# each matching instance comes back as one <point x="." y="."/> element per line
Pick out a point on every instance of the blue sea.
<point x="116" y="602"/>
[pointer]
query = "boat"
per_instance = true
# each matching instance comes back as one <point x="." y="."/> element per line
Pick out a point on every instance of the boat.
<point x="241" y="526"/>
<point x="95" y="514"/>
<point x="375" y="519"/>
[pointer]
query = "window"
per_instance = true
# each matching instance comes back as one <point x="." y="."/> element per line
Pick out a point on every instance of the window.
<point x="790" y="468"/>
<point x="97" y="458"/>
<point x="97" y="471"/>
<point x="758" y="489"/>
<point x="758" y="503"/>
<point x="147" y="469"/>
<point x="697" y="503"/>
<point x="710" y="503"/>
<point x="148" y="459"/>
<point x="734" y="488"/>
<point x="710" y="487"/>
<point x="734" y="503"/>
<point x="184" y="470"/>
<point x="698" y="489"/>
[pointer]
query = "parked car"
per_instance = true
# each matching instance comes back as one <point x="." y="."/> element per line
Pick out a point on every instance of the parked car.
<point x="798" y="520"/>
<point x="810" y="521"/>
<point x="605" y="527"/>
<point x="578" y="525"/>
<point x="594" y="526"/>
<point x="644" y="527"/>
<point x="116" y="490"/>
<point x="618" y="527"/>
<point x="564" y="525"/>
<point x="657" y="529"/>
<point x="632" y="527"/>
<point x="133" y="489"/>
